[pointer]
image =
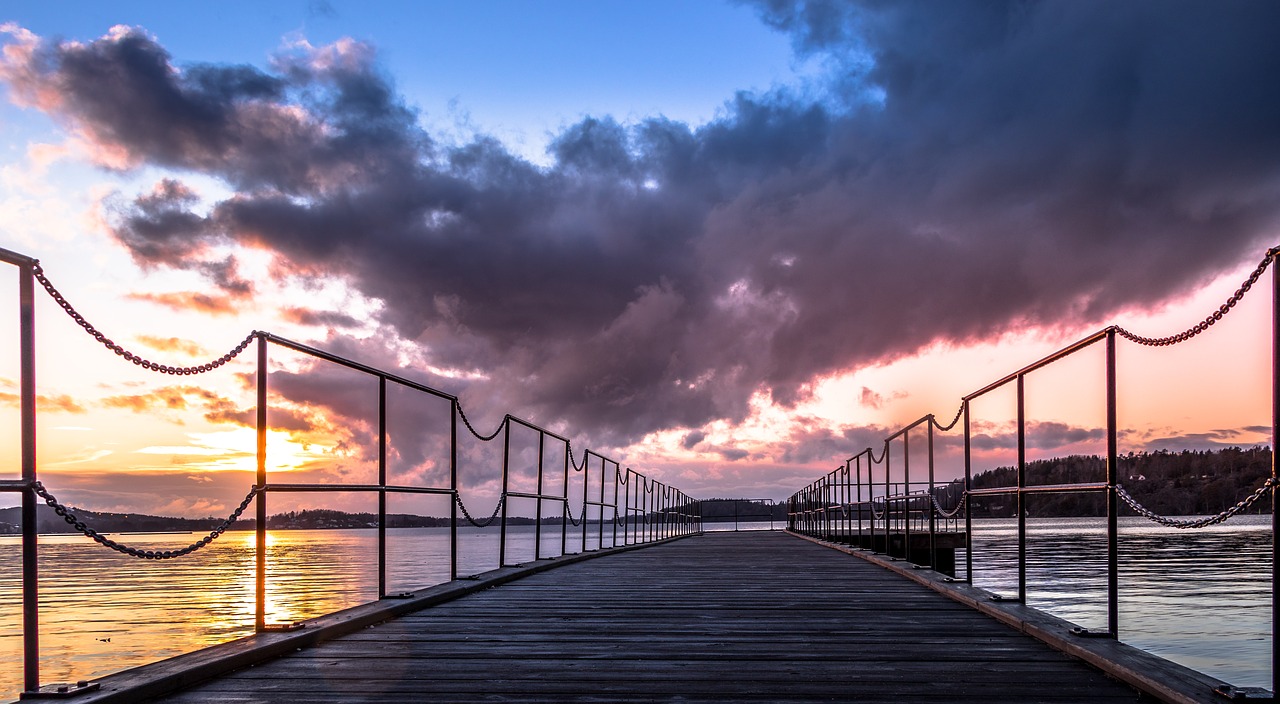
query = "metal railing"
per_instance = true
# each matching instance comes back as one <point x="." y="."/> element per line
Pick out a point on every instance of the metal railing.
<point x="628" y="507"/>
<point x="843" y="506"/>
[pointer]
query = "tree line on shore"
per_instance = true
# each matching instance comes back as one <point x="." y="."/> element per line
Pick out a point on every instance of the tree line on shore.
<point x="1185" y="483"/>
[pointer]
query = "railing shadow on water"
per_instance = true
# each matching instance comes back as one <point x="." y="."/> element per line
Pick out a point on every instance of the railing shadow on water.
<point x="616" y="506"/>
<point x="873" y="504"/>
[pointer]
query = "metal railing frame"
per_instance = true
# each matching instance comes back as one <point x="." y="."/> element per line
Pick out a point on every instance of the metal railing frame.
<point x="667" y="512"/>
<point x="810" y="508"/>
<point x="26" y="484"/>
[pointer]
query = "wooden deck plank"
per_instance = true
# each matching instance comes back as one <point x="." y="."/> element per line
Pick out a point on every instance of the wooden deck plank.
<point x="722" y="617"/>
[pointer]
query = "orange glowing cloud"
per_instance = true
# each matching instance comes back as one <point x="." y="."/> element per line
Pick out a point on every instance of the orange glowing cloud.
<point x="172" y="344"/>
<point x="190" y="301"/>
<point x="61" y="403"/>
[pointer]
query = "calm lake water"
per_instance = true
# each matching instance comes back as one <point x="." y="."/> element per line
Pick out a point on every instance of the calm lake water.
<point x="1201" y="598"/>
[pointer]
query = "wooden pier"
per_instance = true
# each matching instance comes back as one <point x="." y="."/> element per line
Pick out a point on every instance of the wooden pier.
<point x="752" y="616"/>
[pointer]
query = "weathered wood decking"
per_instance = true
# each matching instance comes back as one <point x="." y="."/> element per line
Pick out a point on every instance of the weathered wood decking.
<point x="722" y="617"/>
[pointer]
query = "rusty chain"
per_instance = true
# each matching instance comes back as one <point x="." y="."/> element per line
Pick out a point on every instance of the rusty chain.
<point x="68" y="514"/>
<point x="952" y="424"/>
<point x="140" y="361"/>
<point x="480" y="524"/>
<point x="1212" y="318"/>
<point x="1200" y="522"/>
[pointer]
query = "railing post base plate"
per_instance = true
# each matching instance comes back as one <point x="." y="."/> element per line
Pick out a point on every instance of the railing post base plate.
<point x="60" y="691"/>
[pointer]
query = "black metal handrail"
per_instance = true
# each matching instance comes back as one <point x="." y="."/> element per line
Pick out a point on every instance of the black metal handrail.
<point x="662" y="510"/>
<point x="830" y="506"/>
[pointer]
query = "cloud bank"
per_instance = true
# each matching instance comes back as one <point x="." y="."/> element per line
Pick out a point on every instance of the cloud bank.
<point x="965" y="169"/>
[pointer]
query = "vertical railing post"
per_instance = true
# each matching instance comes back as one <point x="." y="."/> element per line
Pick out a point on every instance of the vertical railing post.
<point x="453" y="490"/>
<point x="887" y="491"/>
<point x="906" y="491"/>
<point x="626" y="507"/>
<point x="666" y="511"/>
<point x="848" y="501"/>
<point x="537" y="522"/>
<point x="968" y="502"/>
<point x="260" y="543"/>
<point x="871" y="500"/>
<point x="382" y="486"/>
<point x="586" y="489"/>
<point x="653" y="512"/>
<point x="1113" y="508"/>
<point x="564" y="513"/>
<point x="506" y="478"/>
<point x="858" y="471"/>
<point x="1275" y="448"/>
<point x="30" y="529"/>
<point x="1022" y="497"/>
<point x="928" y="506"/>
<point x="600" y="523"/>
<point x="617" y="469"/>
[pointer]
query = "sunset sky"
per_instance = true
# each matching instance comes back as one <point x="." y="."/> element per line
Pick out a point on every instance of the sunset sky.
<point x="729" y="245"/>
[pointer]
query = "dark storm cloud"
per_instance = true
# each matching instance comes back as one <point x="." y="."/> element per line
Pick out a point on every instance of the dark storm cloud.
<point x="966" y="169"/>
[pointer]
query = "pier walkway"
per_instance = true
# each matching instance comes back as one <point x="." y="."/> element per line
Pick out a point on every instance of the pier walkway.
<point x="716" y="617"/>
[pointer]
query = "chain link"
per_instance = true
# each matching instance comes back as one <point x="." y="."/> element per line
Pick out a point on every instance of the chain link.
<point x="585" y="457"/>
<point x="1201" y="522"/>
<point x="140" y="361"/>
<point x="480" y="524"/>
<point x="952" y="424"/>
<point x="944" y="513"/>
<point x="68" y="514"/>
<point x="1212" y="317"/>
<point x="482" y="438"/>
<point x="569" y="511"/>
<point x="883" y="511"/>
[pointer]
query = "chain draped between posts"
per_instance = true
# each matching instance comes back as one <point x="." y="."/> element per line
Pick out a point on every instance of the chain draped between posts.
<point x="1199" y="522"/>
<point x="482" y="438"/>
<point x="846" y="510"/>
<point x="1212" y="318"/>
<point x="944" y="513"/>
<point x="140" y="361"/>
<point x="952" y="424"/>
<point x="68" y="514"/>
<point x="568" y="509"/>
<point x="488" y="521"/>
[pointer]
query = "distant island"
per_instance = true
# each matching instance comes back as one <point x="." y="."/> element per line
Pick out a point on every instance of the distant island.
<point x="1170" y="483"/>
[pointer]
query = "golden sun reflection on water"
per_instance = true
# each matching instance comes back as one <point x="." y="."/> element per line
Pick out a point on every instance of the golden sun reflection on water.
<point x="102" y="611"/>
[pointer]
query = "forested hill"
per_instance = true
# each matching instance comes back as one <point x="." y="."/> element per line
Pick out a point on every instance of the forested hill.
<point x="1170" y="483"/>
